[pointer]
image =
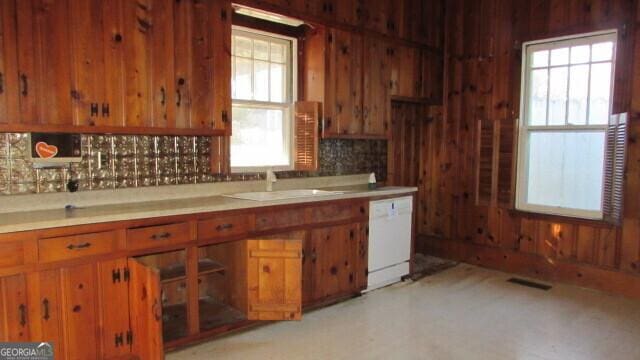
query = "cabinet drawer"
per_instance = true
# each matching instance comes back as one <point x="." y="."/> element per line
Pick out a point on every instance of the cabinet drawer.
<point x="73" y="246"/>
<point x="336" y="212"/>
<point x="12" y="254"/>
<point x="160" y="235"/>
<point x="224" y="226"/>
<point x="280" y="219"/>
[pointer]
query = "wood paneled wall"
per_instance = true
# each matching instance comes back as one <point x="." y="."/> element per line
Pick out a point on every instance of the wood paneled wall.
<point x="468" y="152"/>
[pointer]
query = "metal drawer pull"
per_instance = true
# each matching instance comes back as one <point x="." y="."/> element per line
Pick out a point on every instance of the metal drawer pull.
<point x="222" y="227"/>
<point x="161" y="236"/>
<point x="78" y="246"/>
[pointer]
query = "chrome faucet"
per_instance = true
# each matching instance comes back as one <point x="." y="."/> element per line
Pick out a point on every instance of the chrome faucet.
<point x="270" y="178"/>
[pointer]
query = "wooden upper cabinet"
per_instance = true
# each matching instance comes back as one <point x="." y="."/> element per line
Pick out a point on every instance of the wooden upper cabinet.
<point x="377" y="79"/>
<point x="44" y="69"/>
<point x="384" y="17"/>
<point x="406" y="71"/>
<point x="8" y="64"/>
<point x="128" y="66"/>
<point x="149" y="63"/>
<point x="343" y="97"/>
<point x="97" y="55"/>
<point x="203" y="64"/>
<point x="222" y="65"/>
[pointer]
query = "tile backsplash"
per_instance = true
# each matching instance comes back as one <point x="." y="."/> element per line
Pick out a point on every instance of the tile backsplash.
<point x="123" y="161"/>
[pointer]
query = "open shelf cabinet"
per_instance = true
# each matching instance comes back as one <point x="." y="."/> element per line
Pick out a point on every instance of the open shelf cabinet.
<point x="179" y="294"/>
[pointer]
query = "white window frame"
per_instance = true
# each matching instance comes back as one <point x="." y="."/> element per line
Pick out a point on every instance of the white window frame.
<point x="288" y="105"/>
<point x="523" y="127"/>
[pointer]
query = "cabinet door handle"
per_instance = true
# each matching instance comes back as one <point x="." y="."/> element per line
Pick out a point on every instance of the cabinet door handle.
<point x="24" y="82"/>
<point x="105" y="110"/>
<point x="161" y="236"/>
<point x="365" y="113"/>
<point x="225" y="116"/>
<point x="223" y="227"/>
<point x="94" y="109"/>
<point x="45" y="309"/>
<point x="1" y="83"/>
<point x="23" y="314"/>
<point x="163" y="96"/>
<point x="178" y="98"/>
<point x="78" y="246"/>
<point x="156" y="310"/>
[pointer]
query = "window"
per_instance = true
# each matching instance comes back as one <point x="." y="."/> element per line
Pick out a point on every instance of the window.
<point x="564" y="122"/>
<point x="263" y="92"/>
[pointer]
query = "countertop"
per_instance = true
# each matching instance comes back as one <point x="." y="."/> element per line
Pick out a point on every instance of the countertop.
<point x="44" y="219"/>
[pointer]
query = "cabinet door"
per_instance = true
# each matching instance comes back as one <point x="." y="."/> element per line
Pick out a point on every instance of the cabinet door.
<point x="362" y="256"/>
<point x="79" y="307"/>
<point x="274" y="278"/>
<point x="406" y="71"/>
<point x="8" y="63"/>
<point x="335" y="253"/>
<point x="97" y="62"/>
<point x="377" y="79"/>
<point x="308" y="273"/>
<point x="203" y="64"/>
<point x="222" y="65"/>
<point x="149" y="62"/>
<point x="113" y="295"/>
<point x="43" y="62"/>
<point x="14" y="320"/>
<point x="44" y="310"/>
<point x="344" y="84"/>
<point x="145" y="311"/>
<point x="383" y="16"/>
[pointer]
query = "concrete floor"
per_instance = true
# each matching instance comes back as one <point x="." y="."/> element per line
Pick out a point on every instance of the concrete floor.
<point x="462" y="313"/>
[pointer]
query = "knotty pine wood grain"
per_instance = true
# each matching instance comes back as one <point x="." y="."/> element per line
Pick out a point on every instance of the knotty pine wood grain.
<point x="483" y="41"/>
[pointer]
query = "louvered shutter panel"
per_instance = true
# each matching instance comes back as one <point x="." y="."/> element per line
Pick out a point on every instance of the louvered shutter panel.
<point x="614" y="168"/>
<point x="307" y="115"/>
<point x="484" y="170"/>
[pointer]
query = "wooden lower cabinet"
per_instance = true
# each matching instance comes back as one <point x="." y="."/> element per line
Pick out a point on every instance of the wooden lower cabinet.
<point x="83" y="310"/>
<point x="14" y="319"/>
<point x="335" y="262"/>
<point x="180" y="294"/>
<point x="138" y="302"/>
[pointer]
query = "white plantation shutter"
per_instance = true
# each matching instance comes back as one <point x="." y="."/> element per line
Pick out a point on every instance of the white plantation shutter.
<point x="306" y="119"/>
<point x="614" y="168"/>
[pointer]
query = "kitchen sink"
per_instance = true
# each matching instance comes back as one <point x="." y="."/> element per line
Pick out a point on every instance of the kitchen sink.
<point x="282" y="194"/>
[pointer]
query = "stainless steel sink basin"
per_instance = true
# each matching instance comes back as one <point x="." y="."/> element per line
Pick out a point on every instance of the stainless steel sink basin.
<point x="281" y="195"/>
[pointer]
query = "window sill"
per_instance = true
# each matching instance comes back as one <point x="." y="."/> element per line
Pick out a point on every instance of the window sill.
<point x="562" y="219"/>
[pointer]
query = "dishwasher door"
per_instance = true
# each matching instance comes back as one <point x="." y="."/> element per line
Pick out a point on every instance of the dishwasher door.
<point x="389" y="240"/>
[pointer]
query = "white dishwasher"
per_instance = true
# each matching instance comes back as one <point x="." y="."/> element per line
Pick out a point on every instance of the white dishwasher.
<point x="389" y="241"/>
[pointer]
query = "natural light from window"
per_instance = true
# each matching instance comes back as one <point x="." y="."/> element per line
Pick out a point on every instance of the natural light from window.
<point x="566" y="106"/>
<point x="262" y="92"/>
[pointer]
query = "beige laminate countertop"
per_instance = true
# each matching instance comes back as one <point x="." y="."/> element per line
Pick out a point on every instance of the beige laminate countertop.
<point x="44" y="219"/>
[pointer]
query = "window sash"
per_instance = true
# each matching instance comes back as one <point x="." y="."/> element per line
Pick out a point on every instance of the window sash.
<point x="287" y="128"/>
<point x="290" y="64"/>
<point x="525" y="128"/>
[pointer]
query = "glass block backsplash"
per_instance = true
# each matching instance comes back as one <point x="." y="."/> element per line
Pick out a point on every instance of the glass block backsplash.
<point x="123" y="161"/>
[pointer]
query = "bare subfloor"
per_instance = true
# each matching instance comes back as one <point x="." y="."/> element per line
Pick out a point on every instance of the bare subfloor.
<point x="461" y="313"/>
